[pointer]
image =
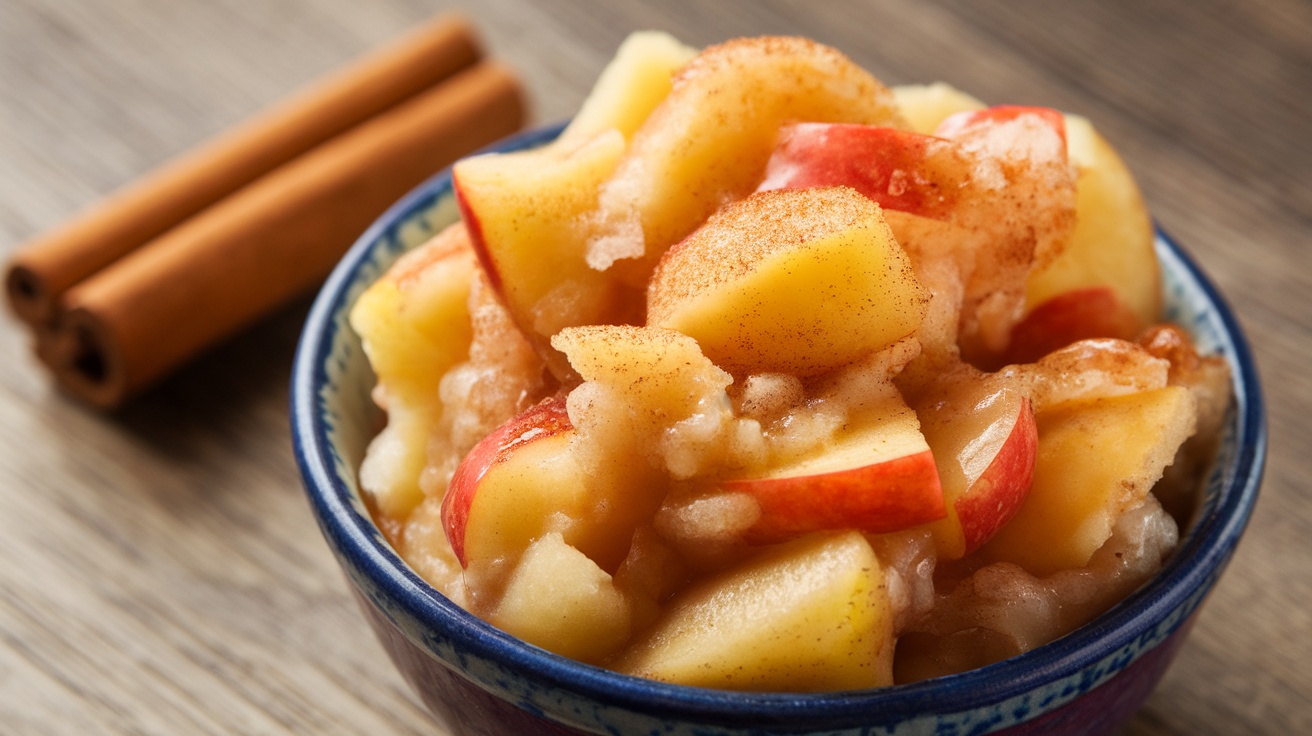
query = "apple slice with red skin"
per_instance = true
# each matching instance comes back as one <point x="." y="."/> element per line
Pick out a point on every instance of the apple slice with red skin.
<point x="909" y="172"/>
<point x="896" y="168"/>
<point x="960" y="124"/>
<point x="1080" y="314"/>
<point x="499" y="495"/>
<point x="985" y="442"/>
<point x="877" y="477"/>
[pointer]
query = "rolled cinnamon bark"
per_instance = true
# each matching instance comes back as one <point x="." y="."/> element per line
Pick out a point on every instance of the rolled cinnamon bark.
<point x="43" y="270"/>
<point x="268" y="242"/>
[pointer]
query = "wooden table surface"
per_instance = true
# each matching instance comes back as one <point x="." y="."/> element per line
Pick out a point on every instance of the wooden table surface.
<point x="160" y="572"/>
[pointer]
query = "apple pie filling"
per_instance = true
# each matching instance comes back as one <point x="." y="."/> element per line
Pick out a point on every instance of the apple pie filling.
<point x="766" y="376"/>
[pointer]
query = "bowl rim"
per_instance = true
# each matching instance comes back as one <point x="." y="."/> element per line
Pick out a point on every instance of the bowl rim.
<point x="1204" y="550"/>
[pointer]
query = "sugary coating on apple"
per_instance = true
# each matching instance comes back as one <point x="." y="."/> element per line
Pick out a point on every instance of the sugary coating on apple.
<point x="649" y="394"/>
<point x="797" y="282"/>
<point x="997" y="178"/>
<point x="708" y="142"/>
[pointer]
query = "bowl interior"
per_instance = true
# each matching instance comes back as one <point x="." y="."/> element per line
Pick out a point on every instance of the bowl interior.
<point x="333" y="420"/>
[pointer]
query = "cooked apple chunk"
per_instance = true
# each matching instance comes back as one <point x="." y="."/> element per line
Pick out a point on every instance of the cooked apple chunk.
<point x="708" y="142"/>
<point x="810" y="615"/>
<point x="414" y="326"/>
<point x="1096" y="459"/>
<point x="796" y="282"/>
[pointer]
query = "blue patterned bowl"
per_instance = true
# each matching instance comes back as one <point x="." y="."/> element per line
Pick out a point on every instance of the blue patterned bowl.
<point x="479" y="680"/>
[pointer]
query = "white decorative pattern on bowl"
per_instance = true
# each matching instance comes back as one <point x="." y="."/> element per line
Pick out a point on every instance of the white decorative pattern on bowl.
<point x="484" y="681"/>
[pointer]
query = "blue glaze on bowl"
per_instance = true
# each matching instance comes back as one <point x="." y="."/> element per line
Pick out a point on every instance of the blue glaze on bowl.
<point x="481" y="680"/>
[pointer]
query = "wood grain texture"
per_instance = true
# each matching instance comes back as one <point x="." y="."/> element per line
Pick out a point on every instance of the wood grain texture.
<point x="160" y="572"/>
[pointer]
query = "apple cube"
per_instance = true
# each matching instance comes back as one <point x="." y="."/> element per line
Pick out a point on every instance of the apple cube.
<point x="659" y="372"/>
<point x="559" y="599"/>
<point x="414" y="326"/>
<point x="1096" y="459"/>
<point x="634" y="82"/>
<point x="813" y="614"/>
<point x="985" y="442"/>
<point x="526" y="213"/>
<point x="414" y="321"/>
<point x="797" y="282"/>
<point x="708" y="142"/>
<point x="396" y="457"/>
<point x="1112" y="243"/>
<point x="877" y="476"/>
<point x="1002" y="186"/>
<point x="511" y="487"/>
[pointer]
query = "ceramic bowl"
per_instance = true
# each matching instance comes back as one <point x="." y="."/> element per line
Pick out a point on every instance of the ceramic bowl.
<point x="479" y="680"/>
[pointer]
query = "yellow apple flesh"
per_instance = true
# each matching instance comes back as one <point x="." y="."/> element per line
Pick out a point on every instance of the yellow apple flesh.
<point x="877" y="476"/>
<point x="559" y="599"/>
<point x="1096" y="459"/>
<point x="414" y="326"/>
<point x="631" y="86"/>
<point x="708" y="142"/>
<point x="796" y="282"/>
<point x="810" y="615"/>
<point x="1112" y="244"/>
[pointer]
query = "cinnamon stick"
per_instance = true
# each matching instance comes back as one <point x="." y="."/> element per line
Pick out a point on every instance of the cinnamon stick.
<point x="266" y="243"/>
<point x="41" y="272"/>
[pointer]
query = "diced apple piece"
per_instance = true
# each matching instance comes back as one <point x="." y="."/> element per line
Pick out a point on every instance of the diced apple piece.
<point x="1002" y="185"/>
<point x="414" y="326"/>
<point x="562" y="601"/>
<point x="796" y="282"/>
<point x="985" y="442"/>
<point x="526" y="213"/>
<point x="810" y="615"/>
<point x="649" y="395"/>
<point x="631" y="86"/>
<point x="901" y="170"/>
<point x="1096" y="459"/>
<point x="708" y="142"/>
<point x="414" y="321"/>
<point x="1080" y="314"/>
<point x="877" y="476"/>
<point x="591" y="480"/>
<point x="507" y="489"/>
<point x="1112" y="244"/>
<point x="658" y="372"/>
<point x="924" y="106"/>
<point x="395" y="459"/>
